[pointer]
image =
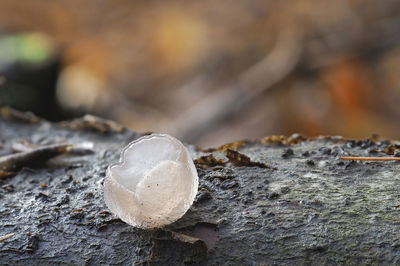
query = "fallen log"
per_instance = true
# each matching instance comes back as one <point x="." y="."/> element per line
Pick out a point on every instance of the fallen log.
<point x="279" y="200"/>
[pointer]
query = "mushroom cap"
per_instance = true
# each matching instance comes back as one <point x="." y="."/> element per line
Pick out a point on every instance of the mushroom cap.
<point x="154" y="183"/>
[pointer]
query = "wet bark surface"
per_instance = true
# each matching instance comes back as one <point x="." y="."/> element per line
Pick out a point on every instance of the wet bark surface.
<point x="273" y="201"/>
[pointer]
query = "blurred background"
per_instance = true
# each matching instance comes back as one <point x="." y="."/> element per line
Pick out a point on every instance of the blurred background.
<point x="208" y="72"/>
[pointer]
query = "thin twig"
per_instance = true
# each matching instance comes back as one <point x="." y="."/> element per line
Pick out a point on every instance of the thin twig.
<point x="17" y="161"/>
<point x="5" y="237"/>
<point x="370" y="158"/>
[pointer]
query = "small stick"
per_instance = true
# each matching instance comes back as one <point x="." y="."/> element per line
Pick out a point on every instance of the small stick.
<point x="5" y="237"/>
<point x="16" y="161"/>
<point x="6" y="174"/>
<point x="370" y="158"/>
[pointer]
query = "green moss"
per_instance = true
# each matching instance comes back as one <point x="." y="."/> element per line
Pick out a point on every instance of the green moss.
<point x="29" y="49"/>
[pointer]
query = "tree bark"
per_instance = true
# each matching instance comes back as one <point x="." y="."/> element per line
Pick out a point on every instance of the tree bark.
<point x="275" y="201"/>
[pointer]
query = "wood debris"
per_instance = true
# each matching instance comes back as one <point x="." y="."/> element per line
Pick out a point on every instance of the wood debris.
<point x="5" y="237"/>
<point x="34" y="157"/>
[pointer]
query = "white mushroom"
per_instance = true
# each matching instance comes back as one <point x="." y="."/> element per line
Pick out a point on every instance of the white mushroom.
<point x="154" y="184"/>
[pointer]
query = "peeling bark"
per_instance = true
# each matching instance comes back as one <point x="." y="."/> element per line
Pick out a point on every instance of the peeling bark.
<point x="273" y="201"/>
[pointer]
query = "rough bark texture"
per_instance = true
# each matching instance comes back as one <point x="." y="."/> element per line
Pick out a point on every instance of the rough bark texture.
<point x="274" y="201"/>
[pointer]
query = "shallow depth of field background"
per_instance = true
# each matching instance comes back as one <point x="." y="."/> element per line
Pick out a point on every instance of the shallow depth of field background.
<point x="208" y="72"/>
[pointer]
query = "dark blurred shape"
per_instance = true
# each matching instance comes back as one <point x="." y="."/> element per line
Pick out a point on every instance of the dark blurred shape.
<point x="29" y="75"/>
<point x="32" y="89"/>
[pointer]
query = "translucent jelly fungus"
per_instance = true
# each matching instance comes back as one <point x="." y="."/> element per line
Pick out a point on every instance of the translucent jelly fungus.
<point x="154" y="184"/>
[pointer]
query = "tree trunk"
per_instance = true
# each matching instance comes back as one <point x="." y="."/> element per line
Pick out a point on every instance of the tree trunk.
<point x="273" y="201"/>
